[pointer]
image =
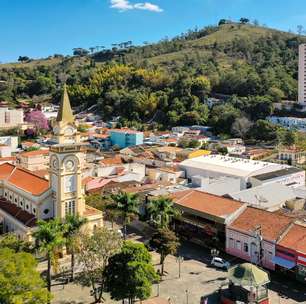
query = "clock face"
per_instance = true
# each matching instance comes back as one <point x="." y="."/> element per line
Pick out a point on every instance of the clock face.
<point x="55" y="163"/>
<point x="69" y="131"/>
<point x="69" y="165"/>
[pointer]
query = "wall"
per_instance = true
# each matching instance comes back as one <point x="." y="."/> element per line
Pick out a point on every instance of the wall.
<point x="236" y="243"/>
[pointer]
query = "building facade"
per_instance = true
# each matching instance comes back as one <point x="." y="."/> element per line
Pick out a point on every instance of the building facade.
<point x="125" y="137"/>
<point x="10" y="118"/>
<point x="26" y="197"/>
<point x="302" y="74"/>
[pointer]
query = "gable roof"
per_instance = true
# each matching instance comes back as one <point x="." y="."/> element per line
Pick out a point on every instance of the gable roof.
<point x="295" y="238"/>
<point x="272" y="224"/>
<point x="207" y="203"/>
<point x="23" y="179"/>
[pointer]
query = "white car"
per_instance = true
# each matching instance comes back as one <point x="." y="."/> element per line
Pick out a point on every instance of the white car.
<point x="220" y="263"/>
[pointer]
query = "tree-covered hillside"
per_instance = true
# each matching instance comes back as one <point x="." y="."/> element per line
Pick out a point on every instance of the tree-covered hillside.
<point x="168" y="82"/>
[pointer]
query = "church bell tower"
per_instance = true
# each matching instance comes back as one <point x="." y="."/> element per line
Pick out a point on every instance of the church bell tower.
<point x="66" y="163"/>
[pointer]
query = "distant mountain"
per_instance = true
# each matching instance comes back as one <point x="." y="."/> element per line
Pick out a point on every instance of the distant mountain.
<point x="173" y="76"/>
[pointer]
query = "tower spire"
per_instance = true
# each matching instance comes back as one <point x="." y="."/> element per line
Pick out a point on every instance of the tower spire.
<point x="65" y="111"/>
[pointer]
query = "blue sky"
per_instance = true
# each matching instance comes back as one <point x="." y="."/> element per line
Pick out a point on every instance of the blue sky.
<point x="38" y="28"/>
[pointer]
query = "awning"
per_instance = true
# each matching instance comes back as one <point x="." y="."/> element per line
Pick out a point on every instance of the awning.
<point x="283" y="262"/>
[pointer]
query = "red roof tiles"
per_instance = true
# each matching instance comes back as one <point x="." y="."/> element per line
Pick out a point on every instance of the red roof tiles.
<point x="23" y="179"/>
<point x="271" y="224"/>
<point x="205" y="202"/>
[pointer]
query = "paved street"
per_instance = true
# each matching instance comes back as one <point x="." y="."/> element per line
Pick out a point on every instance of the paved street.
<point x="197" y="279"/>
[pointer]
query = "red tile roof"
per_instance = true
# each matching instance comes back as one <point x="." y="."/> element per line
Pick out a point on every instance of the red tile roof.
<point x="272" y="224"/>
<point x="295" y="238"/>
<point x="23" y="179"/>
<point x="117" y="160"/>
<point x="21" y="215"/>
<point x="205" y="202"/>
<point x="34" y="153"/>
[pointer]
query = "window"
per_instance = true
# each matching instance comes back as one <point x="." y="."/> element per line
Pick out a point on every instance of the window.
<point x="27" y="206"/>
<point x="15" y="200"/>
<point x="238" y="245"/>
<point x="5" y="194"/>
<point x="246" y="247"/>
<point x="70" y="207"/>
<point x="34" y="211"/>
<point x="46" y="211"/>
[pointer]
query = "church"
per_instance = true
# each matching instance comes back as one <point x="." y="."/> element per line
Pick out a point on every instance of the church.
<point x="26" y="197"/>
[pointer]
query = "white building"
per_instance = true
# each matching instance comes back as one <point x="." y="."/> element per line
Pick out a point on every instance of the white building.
<point x="302" y="74"/>
<point x="10" y="118"/>
<point x="289" y="122"/>
<point x="218" y="165"/>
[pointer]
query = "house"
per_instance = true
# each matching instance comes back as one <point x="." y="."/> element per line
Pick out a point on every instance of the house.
<point x="169" y="174"/>
<point x="167" y="153"/>
<point x="290" y="253"/>
<point x="11" y="118"/>
<point x="253" y="235"/>
<point x="34" y="160"/>
<point x="292" y="155"/>
<point x="125" y="137"/>
<point x="205" y="216"/>
<point x="191" y="153"/>
<point x="11" y="141"/>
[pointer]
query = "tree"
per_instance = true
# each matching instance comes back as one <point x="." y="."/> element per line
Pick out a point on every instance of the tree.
<point x="300" y="29"/>
<point x="73" y="224"/>
<point x="23" y="58"/>
<point x="162" y="211"/>
<point x="166" y="242"/>
<point x="94" y="252"/>
<point x="263" y="130"/>
<point x="20" y="282"/>
<point x="244" y="20"/>
<point x="130" y="273"/>
<point x="286" y="137"/>
<point x="241" y="126"/>
<point x="38" y="119"/>
<point x="80" y="52"/>
<point x="49" y="237"/>
<point x="222" y="21"/>
<point x="41" y="85"/>
<point x="10" y="240"/>
<point x="127" y="204"/>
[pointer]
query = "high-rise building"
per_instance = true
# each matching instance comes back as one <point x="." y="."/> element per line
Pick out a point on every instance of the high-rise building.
<point x="302" y="74"/>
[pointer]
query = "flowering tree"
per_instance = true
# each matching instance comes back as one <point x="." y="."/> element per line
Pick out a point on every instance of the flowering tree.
<point x="38" y="119"/>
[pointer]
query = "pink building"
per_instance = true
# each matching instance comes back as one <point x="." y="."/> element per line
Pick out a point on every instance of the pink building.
<point x="253" y="234"/>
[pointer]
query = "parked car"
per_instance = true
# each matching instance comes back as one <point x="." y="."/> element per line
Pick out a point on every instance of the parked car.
<point x="220" y="263"/>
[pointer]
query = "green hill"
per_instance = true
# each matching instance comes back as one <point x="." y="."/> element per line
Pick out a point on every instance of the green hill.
<point x="171" y="78"/>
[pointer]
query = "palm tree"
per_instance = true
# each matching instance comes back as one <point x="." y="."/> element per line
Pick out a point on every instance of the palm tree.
<point x="127" y="204"/>
<point x="73" y="224"/>
<point x="49" y="237"/>
<point x="162" y="211"/>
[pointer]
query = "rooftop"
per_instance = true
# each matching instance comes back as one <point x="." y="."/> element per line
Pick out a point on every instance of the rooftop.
<point x="271" y="224"/>
<point x="21" y="215"/>
<point x="123" y="130"/>
<point x="278" y="173"/>
<point x="231" y="165"/>
<point x="35" y="153"/>
<point x="23" y="179"/>
<point x="206" y="203"/>
<point x="295" y="238"/>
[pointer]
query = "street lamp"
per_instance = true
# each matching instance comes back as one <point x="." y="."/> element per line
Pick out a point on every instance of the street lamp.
<point x="180" y="260"/>
<point x="187" y="300"/>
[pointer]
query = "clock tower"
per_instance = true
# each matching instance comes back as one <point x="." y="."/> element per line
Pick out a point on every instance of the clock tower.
<point x="66" y="163"/>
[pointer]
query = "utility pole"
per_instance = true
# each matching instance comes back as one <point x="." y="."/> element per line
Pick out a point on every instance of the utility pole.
<point x="187" y="296"/>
